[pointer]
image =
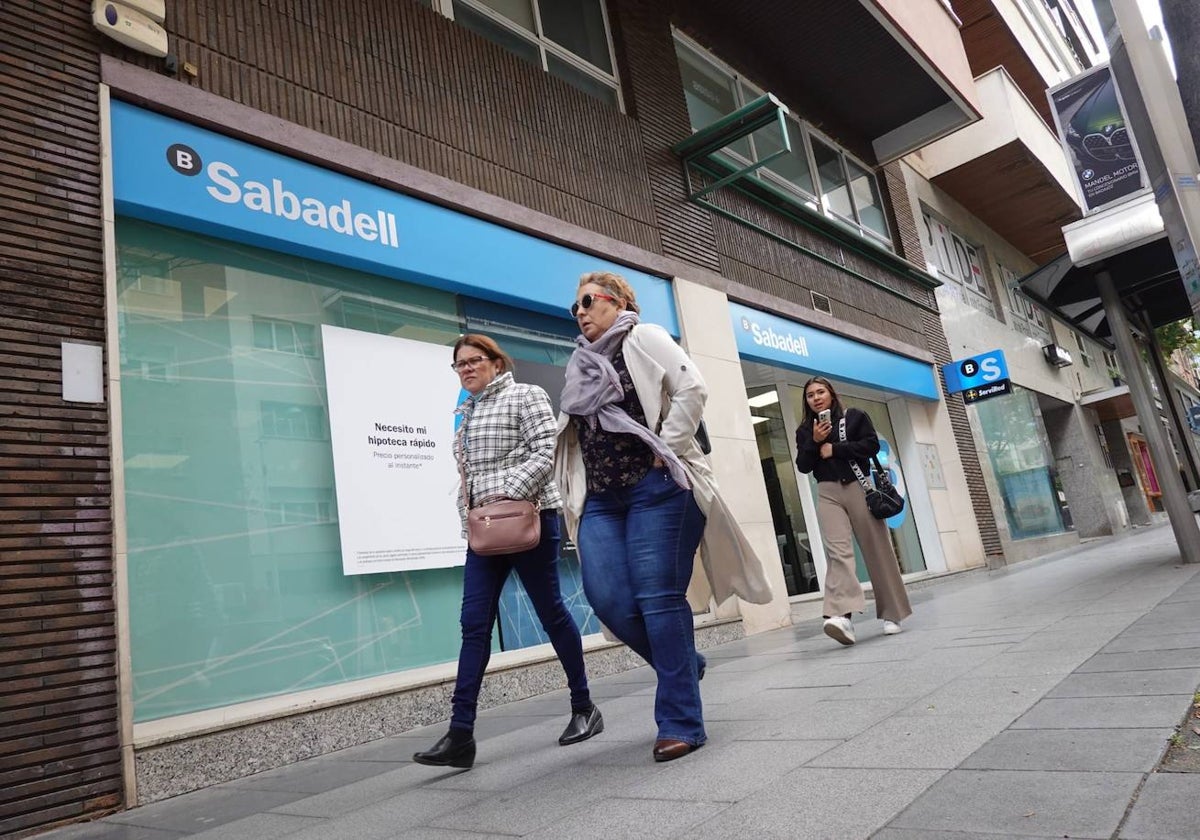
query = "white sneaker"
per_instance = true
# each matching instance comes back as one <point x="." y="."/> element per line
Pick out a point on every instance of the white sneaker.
<point x="891" y="628"/>
<point x="840" y="629"/>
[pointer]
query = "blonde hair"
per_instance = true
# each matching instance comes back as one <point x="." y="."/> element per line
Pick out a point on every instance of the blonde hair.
<point x="615" y="284"/>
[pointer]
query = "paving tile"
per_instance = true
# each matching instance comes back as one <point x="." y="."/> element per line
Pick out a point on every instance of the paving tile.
<point x="106" y="830"/>
<point x="926" y="834"/>
<point x="1031" y="663"/>
<point x="1104" y="713"/>
<point x="544" y="801"/>
<point x="392" y="817"/>
<point x="1165" y="809"/>
<point x="829" y="719"/>
<point x="1117" y="750"/>
<point x="1036" y="804"/>
<point x="205" y="809"/>
<point x="367" y="792"/>
<point x="812" y="804"/>
<point x="627" y="818"/>
<point x="1180" y="682"/>
<point x="970" y="695"/>
<point x="260" y="827"/>
<point x="1147" y="660"/>
<point x="731" y="772"/>
<point x="314" y="776"/>
<point x="1152" y="641"/>
<point x="915" y="742"/>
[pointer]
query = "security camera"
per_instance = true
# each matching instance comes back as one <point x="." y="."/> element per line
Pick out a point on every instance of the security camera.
<point x="130" y="27"/>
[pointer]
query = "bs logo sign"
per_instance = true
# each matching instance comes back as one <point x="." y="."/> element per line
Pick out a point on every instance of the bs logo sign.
<point x="977" y="371"/>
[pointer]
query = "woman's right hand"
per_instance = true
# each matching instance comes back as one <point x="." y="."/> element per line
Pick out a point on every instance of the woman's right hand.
<point x="821" y="431"/>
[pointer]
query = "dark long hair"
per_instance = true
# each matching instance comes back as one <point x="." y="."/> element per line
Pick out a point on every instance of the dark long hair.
<point x="810" y="416"/>
<point x="487" y="346"/>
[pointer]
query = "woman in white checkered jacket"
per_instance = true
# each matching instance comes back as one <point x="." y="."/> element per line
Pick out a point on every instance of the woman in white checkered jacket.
<point x="506" y="447"/>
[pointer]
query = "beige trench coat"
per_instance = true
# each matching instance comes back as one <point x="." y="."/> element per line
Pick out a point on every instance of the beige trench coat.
<point x="671" y="389"/>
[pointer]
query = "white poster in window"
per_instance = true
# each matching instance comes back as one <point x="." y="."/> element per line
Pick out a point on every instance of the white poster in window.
<point x="391" y="421"/>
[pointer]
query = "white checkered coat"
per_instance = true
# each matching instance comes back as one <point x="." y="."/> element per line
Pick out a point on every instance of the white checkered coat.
<point x="508" y="433"/>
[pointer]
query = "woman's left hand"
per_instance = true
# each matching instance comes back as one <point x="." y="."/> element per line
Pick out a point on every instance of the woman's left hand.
<point x="826" y="450"/>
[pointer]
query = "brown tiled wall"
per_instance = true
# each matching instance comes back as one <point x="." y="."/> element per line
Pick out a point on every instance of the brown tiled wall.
<point x="59" y="754"/>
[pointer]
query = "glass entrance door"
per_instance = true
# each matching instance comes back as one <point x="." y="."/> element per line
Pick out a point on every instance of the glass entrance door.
<point x="779" y="473"/>
<point x="902" y="528"/>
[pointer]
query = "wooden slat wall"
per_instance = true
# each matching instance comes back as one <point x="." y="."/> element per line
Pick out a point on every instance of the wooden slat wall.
<point x="59" y="756"/>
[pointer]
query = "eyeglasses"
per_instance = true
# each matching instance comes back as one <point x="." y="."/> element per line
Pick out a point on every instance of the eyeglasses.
<point x="465" y="364"/>
<point x="586" y="302"/>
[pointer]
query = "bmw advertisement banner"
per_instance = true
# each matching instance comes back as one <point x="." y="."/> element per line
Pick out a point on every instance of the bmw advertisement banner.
<point x="1095" y="135"/>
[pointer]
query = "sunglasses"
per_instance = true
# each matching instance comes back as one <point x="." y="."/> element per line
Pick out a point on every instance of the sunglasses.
<point x="586" y="302"/>
<point x="466" y="364"/>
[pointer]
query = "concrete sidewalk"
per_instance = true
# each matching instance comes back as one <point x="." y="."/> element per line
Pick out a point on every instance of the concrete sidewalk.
<point x="1033" y="701"/>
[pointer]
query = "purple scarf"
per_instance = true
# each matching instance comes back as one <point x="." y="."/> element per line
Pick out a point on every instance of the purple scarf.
<point x="593" y="390"/>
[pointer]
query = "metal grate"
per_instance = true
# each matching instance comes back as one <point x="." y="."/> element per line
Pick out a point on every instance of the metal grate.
<point x="821" y="303"/>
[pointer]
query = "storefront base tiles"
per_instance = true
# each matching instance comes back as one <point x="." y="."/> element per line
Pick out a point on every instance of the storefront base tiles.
<point x="174" y="768"/>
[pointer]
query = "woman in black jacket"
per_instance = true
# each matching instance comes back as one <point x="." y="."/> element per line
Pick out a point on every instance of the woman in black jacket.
<point x="842" y="513"/>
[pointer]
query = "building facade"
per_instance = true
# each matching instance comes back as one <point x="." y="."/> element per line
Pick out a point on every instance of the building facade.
<point x="1061" y="454"/>
<point x="182" y="236"/>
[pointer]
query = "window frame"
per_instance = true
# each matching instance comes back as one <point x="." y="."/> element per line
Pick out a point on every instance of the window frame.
<point x="276" y="324"/>
<point x="545" y="44"/>
<point x="803" y="138"/>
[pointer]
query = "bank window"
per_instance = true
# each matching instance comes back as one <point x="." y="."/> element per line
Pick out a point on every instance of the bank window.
<point x="293" y="420"/>
<point x="285" y="336"/>
<point x="1085" y="355"/>
<point x="821" y="174"/>
<point x="952" y="257"/>
<point x="568" y="39"/>
<point x="1027" y="317"/>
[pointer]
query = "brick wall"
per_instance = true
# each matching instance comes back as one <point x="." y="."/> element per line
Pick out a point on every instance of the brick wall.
<point x="59" y="756"/>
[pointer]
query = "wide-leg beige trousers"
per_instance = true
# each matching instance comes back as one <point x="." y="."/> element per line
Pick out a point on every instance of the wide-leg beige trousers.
<point x="843" y="515"/>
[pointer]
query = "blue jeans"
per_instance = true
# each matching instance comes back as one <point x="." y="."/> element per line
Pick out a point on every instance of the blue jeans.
<point x="483" y="580"/>
<point x="637" y="545"/>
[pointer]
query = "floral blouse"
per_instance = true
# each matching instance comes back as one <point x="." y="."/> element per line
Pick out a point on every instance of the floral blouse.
<point x="614" y="460"/>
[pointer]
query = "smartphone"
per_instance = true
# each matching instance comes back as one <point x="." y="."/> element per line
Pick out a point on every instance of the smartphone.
<point x="823" y="416"/>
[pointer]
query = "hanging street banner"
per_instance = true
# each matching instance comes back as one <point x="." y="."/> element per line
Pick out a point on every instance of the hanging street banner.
<point x="391" y="422"/>
<point x="1095" y="135"/>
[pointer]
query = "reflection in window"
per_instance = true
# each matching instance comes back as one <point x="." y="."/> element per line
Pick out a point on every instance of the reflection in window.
<point x="1019" y="452"/>
<point x="236" y="589"/>
<point x="566" y="38"/>
<point x="834" y="191"/>
<point x="290" y="420"/>
<point x="285" y="336"/>
<point x="712" y="90"/>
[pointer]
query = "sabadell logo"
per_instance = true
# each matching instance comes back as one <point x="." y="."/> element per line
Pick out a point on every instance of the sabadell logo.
<point x="794" y="344"/>
<point x="225" y="185"/>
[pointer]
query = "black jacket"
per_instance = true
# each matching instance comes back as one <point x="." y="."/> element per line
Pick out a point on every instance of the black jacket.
<point x="861" y="443"/>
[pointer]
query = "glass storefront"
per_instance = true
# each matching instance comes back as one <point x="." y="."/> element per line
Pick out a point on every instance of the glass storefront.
<point x="1023" y="464"/>
<point x="236" y="583"/>
<point x="794" y="534"/>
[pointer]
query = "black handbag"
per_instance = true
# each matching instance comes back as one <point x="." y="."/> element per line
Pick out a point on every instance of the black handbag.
<point x="883" y="499"/>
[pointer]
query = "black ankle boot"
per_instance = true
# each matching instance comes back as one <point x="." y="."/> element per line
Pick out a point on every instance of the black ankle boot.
<point x="581" y="726"/>
<point x="455" y="749"/>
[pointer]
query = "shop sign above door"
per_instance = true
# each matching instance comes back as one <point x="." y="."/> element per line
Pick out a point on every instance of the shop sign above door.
<point x="173" y="173"/>
<point x="774" y="340"/>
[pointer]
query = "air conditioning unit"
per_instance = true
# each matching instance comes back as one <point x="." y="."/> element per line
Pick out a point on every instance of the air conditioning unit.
<point x="1056" y="355"/>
